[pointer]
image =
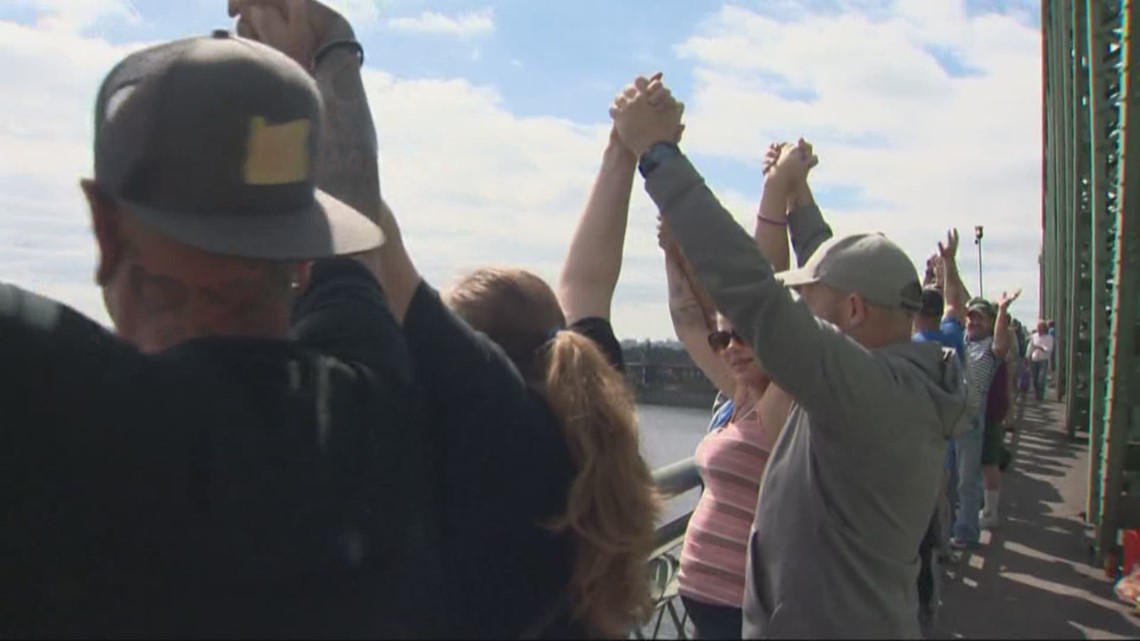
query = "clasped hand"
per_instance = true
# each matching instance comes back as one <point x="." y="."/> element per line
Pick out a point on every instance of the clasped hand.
<point x="646" y="113"/>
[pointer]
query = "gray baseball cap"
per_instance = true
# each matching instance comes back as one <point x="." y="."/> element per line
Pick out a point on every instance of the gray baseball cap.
<point x="866" y="264"/>
<point x="213" y="142"/>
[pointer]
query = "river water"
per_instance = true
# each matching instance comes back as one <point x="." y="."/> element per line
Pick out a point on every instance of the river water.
<point x="669" y="434"/>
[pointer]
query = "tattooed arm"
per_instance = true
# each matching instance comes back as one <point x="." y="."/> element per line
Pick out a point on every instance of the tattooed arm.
<point x="348" y="166"/>
<point x="693" y="314"/>
<point x="349" y="170"/>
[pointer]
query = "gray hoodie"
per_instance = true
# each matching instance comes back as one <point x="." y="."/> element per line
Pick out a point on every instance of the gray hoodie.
<point x="849" y="488"/>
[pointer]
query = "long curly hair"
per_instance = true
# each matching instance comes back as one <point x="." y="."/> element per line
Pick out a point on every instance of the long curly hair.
<point x="612" y="504"/>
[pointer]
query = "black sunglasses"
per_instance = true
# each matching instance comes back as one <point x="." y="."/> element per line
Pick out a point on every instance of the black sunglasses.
<point x="720" y="339"/>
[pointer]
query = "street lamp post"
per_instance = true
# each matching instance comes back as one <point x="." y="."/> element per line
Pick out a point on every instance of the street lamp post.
<point x="978" y="233"/>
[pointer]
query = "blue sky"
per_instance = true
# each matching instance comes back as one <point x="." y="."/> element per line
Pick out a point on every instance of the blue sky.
<point x="926" y="114"/>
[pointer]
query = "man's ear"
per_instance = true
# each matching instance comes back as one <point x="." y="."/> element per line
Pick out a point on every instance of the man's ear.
<point x="856" y="311"/>
<point x="301" y="275"/>
<point x="108" y="231"/>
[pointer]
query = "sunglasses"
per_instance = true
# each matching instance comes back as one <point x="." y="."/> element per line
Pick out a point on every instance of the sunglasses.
<point x="720" y="340"/>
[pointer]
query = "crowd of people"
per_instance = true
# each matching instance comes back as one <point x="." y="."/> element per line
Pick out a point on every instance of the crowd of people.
<point x="291" y="433"/>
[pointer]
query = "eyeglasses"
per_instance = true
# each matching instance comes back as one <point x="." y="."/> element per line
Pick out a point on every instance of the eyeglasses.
<point x="720" y="340"/>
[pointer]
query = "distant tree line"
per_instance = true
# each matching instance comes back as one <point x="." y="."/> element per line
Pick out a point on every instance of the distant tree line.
<point x="656" y="353"/>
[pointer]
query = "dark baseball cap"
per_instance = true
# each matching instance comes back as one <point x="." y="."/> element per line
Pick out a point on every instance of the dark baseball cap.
<point x="933" y="304"/>
<point x="213" y="142"/>
<point x="983" y="306"/>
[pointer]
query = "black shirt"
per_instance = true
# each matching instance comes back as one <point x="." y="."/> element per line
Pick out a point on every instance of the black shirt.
<point x="226" y="486"/>
<point x="504" y="470"/>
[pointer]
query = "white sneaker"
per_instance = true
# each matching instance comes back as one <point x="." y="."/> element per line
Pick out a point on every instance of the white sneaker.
<point x="988" y="520"/>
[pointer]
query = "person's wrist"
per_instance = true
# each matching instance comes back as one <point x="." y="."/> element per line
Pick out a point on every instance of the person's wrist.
<point x="616" y="150"/>
<point x="642" y="147"/>
<point x="652" y="155"/>
<point x="777" y="180"/>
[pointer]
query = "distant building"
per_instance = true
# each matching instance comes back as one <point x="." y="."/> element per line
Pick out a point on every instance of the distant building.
<point x="662" y="373"/>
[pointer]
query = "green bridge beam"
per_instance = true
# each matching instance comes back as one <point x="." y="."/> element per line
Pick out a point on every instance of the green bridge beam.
<point x="1090" y="248"/>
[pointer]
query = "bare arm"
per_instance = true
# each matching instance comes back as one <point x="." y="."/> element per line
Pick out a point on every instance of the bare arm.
<point x="348" y="166"/>
<point x="349" y="171"/>
<point x="955" y="292"/>
<point x="1002" y="342"/>
<point x="691" y="323"/>
<point x="348" y="163"/>
<point x="593" y="263"/>
<point x="771" y="231"/>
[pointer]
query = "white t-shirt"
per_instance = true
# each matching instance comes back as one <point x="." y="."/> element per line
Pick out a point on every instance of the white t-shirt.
<point x="1040" y="347"/>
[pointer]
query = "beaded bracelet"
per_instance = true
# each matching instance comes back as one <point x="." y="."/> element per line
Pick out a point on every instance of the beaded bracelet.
<point x="771" y="221"/>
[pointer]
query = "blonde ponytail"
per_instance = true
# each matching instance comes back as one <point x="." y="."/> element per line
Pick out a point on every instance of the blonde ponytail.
<point x="612" y="505"/>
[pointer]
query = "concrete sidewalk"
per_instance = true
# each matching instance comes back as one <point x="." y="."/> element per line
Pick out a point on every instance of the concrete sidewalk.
<point x="1032" y="578"/>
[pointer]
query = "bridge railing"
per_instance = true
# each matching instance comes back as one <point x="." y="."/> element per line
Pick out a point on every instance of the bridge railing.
<point x="669" y="616"/>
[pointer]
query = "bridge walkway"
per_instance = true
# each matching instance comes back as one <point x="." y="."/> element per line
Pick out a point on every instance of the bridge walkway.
<point x="1034" y="577"/>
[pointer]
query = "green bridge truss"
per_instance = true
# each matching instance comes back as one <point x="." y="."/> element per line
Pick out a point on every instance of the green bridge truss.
<point x="1091" y="249"/>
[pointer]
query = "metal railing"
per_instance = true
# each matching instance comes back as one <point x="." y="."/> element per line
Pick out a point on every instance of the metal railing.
<point x="672" y="481"/>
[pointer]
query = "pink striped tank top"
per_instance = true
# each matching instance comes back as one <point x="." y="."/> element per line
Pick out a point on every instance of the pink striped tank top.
<point x="731" y="461"/>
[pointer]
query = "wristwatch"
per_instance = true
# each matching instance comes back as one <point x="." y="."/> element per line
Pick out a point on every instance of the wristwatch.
<point x="657" y="155"/>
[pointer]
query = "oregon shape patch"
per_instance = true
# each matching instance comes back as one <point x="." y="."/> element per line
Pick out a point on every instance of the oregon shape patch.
<point x="277" y="154"/>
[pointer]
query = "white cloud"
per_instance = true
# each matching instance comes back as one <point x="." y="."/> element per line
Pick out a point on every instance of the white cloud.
<point x="929" y="150"/>
<point x="78" y="15"/>
<point x="467" y="24"/>
<point x="363" y="15"/>
<point x="472" y="183"/>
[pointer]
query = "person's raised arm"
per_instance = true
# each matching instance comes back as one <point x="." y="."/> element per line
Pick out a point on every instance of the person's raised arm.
<point x="593" y="263"/>
<point x="801" y="353"/>
<point x="954" y="290"/>
<point x="806" y="227"/>
<point x="771" y="232"/>
<point x="694" y="317"/>
<point x="1002" y="344"/>
<point x="348" y="163"/>
<point x="930" y="279"/>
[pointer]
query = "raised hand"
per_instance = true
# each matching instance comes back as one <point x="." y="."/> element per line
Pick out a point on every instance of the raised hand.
<point x="949" y="250"/>
<point x="297" y="28"/>
<point x="646" y="113"/>
<point x="792" y="164"/>
<point x="1007" y="299"/>
<point x="931" y="277"/>
<point x="771" y="156"/>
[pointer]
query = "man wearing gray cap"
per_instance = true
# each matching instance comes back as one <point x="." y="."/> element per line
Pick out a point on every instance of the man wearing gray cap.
<point x="211" y="468"/>
<point x="849" y="488"/>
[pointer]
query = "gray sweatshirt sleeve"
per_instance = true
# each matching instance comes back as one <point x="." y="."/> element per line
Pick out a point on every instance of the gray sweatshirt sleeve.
<point x="825" y="372"/>
<point x="808" y="231"/>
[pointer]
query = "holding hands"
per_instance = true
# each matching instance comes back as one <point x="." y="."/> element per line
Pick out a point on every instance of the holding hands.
<point x="645" y="113"/>
<point x="788" y="165"/>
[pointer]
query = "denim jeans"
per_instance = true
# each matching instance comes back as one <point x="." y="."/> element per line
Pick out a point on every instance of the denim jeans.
<point x="967" y="476"/>
<point x="1040" y="373"/>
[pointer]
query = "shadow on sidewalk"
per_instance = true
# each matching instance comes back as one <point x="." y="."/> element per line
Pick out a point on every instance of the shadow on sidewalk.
<point x="1032" y="577"/>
